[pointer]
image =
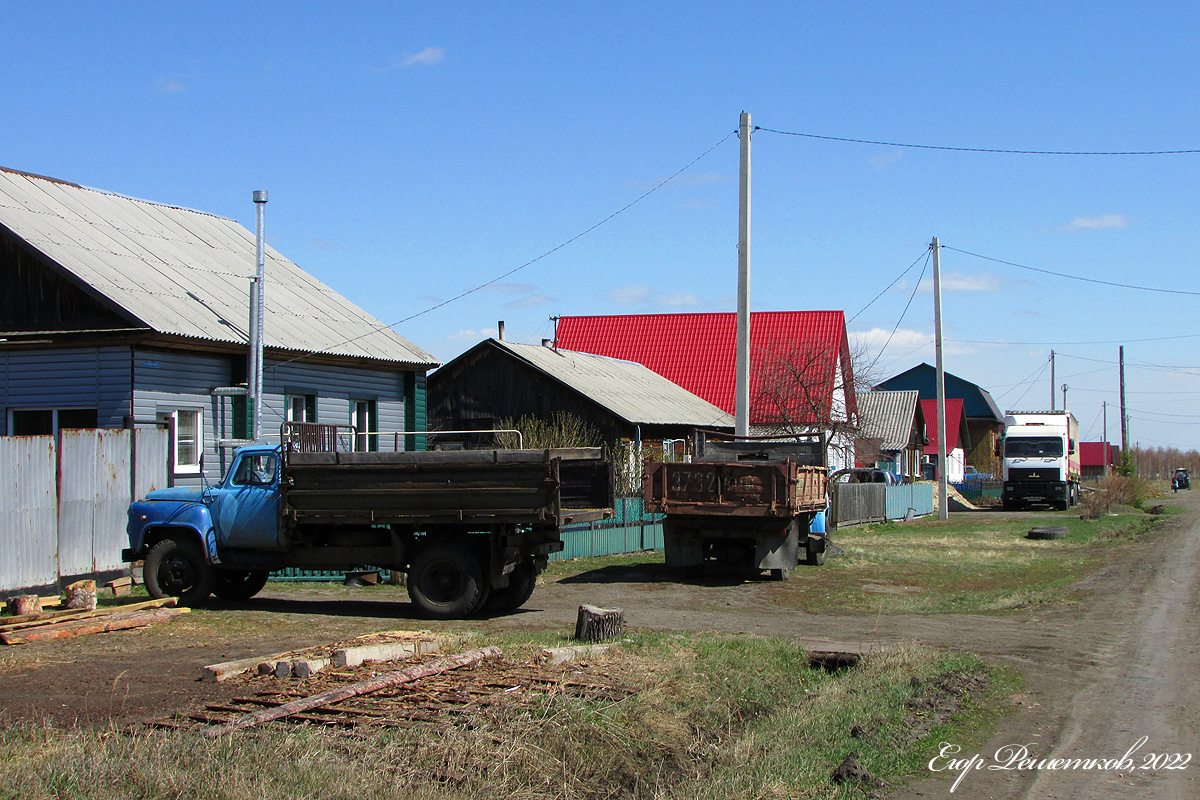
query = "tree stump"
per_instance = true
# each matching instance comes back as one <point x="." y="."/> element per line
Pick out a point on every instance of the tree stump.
<point x="596" y="624"/>
<point x="26" y="605"/>
<point x="82" y="595"/>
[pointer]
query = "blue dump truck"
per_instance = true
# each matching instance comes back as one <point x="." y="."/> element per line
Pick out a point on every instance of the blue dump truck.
<point x="471" y="528"/>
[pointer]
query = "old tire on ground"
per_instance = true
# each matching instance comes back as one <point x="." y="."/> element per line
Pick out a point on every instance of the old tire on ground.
<point x="521" y="582"/>
<point x="445" y="581"/>
<point x="814" y="552"/>
<point x="176" y="568"/>
<point x="1047" y="532"/>
<point x="239" y="584"/>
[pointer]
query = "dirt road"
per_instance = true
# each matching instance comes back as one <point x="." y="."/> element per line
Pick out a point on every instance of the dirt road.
<point x="1099" y="675"/>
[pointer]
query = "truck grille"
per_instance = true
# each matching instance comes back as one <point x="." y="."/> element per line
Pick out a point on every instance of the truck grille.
<point x="1041" y="474"/>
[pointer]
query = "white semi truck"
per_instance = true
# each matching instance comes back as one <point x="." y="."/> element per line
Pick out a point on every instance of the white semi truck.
<point x="1039" y="451"/>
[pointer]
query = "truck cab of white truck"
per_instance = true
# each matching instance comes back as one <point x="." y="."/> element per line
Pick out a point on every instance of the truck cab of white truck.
<point x="1039" y="451"/>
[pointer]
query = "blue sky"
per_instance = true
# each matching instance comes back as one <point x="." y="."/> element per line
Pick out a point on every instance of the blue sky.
<point x="413" y="151"/>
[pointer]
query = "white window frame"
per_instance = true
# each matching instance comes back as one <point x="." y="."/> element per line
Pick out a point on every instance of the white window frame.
<point x="364" y="437"/>
<point x="190" y="468"/>
<point x="291" y="401"/>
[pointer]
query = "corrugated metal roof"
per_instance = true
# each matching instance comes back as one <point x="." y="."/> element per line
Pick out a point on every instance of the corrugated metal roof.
<point x="631" y="391"/>
<point x="188" y="273"/>
<point x="698" y="351"/>
<point x="888" y="416"/>
<point x="956" y="425"/>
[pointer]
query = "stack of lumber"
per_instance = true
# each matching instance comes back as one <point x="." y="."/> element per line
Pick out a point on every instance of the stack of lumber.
<point x="77" y="622"/>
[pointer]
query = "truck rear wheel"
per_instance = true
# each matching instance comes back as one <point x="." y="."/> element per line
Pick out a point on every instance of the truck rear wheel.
<point x="240" y="584"/>
<point x="814" y="552"/>
<point x="176" y="568"/>
<point x="521" y="582"/>
<point x="445" y="581"/>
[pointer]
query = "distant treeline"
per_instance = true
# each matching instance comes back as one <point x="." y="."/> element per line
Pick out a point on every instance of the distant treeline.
<point x="1161" y="462"/>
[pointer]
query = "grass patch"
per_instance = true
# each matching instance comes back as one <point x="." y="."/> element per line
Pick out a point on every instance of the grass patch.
<point x="962" y="565"/>
<point x="711" y="717"/>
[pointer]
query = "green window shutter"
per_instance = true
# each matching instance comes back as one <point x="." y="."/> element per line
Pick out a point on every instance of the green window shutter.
<point x="416" y="417"/>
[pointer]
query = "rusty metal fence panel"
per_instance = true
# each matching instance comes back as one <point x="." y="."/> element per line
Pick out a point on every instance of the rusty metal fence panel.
<point x="28" y="513"/>
<point x="150" y="456"/>
<point x="95" y="474"/>
<point x="63" y="507"/>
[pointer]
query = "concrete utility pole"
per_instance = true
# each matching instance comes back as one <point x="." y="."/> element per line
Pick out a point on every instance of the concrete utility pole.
<point x="257" y="292"/>
<point x="741" y="400"/>
<point x="943" y="489"/>
<point x="1052" y="380"/>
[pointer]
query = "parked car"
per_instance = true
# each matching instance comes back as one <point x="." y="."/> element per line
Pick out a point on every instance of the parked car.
<point x="864" y="475"/>
<point x="974" y="477"/>
<point x="1181" y="480"/>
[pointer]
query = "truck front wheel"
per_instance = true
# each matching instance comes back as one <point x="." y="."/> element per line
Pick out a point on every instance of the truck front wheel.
<point x="445" y="581"/>
<point x="176" y="568"/>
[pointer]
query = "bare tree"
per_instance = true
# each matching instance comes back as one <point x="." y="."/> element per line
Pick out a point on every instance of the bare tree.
<point x="806" y="389"/>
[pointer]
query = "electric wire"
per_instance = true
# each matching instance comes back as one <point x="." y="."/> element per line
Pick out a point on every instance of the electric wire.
<point x="889" y="286"/>
<point x="984" y="149"/>
<point x="878" y="356"/>
<point x="1045" y="366"/>
<point x="1073" y="277"/>
<point x="528" y="263"/>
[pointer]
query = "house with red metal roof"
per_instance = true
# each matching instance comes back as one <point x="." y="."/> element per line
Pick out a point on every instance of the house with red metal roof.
<point x="801" y="378"/>
<point x="958" y="437"/>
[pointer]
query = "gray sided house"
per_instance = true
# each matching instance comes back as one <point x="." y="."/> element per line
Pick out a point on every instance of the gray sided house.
<point x="117" y="311"/>
<point x="620" y="399"/>
<point x="892" y="432"/>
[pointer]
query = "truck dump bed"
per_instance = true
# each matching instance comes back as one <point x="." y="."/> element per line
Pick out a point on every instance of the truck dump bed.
<point x="754" y="489"/>
<point x="524" y="487"/>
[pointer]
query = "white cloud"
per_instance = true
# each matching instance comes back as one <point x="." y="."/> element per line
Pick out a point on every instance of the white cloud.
<point x="169" y="86"/>
<point x="884" y="161"/>
<point x="630" y="295"/>
<point x="531" y="301"/>
<point x="317" y="243"/>
<point x="471" y="336"/>
<point x="681" y="300"/>
<point x="427" y="57"/>
<point x="903" y="338"/>
<point x="958" y="282"/>
<point x="1101" y="223"/>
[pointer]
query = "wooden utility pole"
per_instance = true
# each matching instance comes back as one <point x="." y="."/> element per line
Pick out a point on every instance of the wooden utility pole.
<point x="741" y="400"/>
<point x="1124" y="422"/>
<point x="943" y="489"/>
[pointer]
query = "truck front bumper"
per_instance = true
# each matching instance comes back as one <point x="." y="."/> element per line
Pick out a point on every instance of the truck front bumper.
<point x="1046" y="491"/>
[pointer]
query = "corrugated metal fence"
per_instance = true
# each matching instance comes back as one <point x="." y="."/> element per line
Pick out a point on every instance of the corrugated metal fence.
<point x="631" y="529"/>
<point x="62" y="512"/>
<point x="855" y="503"/>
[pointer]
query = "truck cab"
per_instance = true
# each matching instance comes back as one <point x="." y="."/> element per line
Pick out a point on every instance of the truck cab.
<point x="1040" y="458"/>
<point x="186" y="536"/>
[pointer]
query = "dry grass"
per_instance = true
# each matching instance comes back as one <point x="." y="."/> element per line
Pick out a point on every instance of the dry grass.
<point x="712" y="717"/>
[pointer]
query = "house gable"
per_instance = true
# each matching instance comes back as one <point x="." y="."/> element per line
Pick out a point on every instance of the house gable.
<point x="39" y="297"/>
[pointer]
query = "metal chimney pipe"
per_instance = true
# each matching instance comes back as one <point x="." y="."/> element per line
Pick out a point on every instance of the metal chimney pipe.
<point x="500" y="330"/>
<point x="256" y="331"/>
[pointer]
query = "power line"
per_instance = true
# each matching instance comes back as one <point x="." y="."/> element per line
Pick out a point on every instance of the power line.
<point x="890" y="285"/>
<point x="530" y="262"/>
<point x="1073" y="277"/>
<point x="902" y="313"/>
<point x="985" y="149"/>
<point x="1105" y="341"/>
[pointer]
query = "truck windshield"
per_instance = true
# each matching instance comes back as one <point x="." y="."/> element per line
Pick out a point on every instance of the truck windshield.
<point x="1033" y="446"/>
